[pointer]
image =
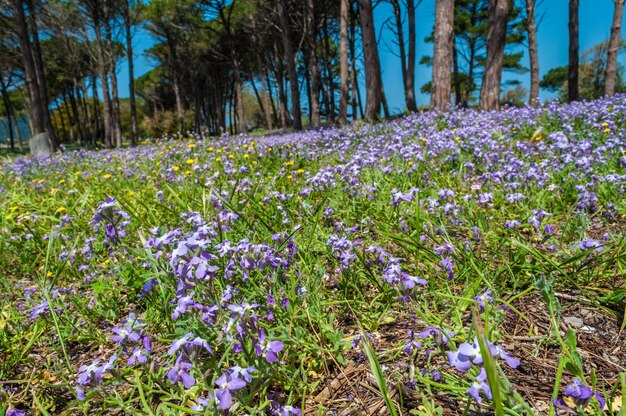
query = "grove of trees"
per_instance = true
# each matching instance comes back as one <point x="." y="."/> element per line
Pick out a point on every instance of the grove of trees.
<point x="234" y="65"/>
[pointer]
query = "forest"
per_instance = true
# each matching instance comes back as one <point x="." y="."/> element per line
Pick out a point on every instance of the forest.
<point x="236" y="66"/>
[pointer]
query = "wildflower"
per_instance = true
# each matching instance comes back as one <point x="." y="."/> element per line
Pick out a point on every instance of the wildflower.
<point x="189" y="344"/>
<point x="124" y="334"/>
<point x="581" y="394"/>
<point x="40" y="309"/>
<point x="481" y="300"/>
<point x="269" y="349"/>
<point x="139" y="355"/>
<point x="227" y="384"/>
<point x="180" y="373"/>
<point x="480" y="384"/>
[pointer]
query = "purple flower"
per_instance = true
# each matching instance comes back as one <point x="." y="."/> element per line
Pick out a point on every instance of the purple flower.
<point x="269" y="349"/>
<point x="124" y="334"/>
<point x="180" y="373"/>
<point x="139" y="355"/>
<point x="459" y="361"/>
<point x="91" y="375"/>
<point x="481" y="300"/>
<point x="480" y="384"/>
<point x="16" y="412"/>
<point x="287" y="411"/>
<point x="441" y="337"/>
<point x="590" y="243"/>
<point x="582" y="394"/>
<point x="189" y="344"/>
<point x="40" y="309"/>
<point x="227" y="383"/>
<point x="244" y="373"/>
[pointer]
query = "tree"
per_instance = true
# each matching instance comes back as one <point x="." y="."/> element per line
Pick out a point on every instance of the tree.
<point x="407" y="57"/>
<point x="592" y="70"/>
<point x="496" y="40"/>
<point x="471" y="27"/>
<point x="572" y="77"/>
<point x="371" y="61"/>
<point x="313" y="65"/>
<point x="532" y="52"/>
<point x="614" y="42"/>
<point x="343" y="59"/>
<point x="28" y="38"/>
<point x="442" y="56"/>
<point x="283" y="13"/>
<point x="129" y="16"/>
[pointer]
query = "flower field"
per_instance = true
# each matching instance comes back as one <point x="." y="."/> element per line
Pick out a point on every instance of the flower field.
<point x="457" y="263"/>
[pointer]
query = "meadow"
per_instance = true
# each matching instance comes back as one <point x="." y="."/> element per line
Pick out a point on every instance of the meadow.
<point x="439" y="263"/>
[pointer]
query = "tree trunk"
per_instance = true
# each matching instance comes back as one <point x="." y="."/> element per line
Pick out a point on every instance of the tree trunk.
<point x="291" y="64"/>
<point x="8" y="109"/>
<point x="572" y="76"/>
<point x="532" y="52"/>
<point x="95" y="101"/>
<point x="496" y="40"/>
<point x="442" y="55"/>
<point x="270" y="96"/>
<point x="356" y="91"/>
<point x="267" y="103"/>
<point x="131" y="73"/>
<point x="371" y="61"/>
<point x="458" y="96"/>
<point x="40" y="75"/>
<point x="410" y="65"/>
<point x="343" y="61"/>
<point x="243" y="128"/>
<point x="36" y="103"/>
<point x="407" y="60"/>
<point x="313" y="65"/>
<point x="329" y="70"/>
<point x="259" y="100"/>
<point x="614" y="44"/>
<point x="106" y="96"/>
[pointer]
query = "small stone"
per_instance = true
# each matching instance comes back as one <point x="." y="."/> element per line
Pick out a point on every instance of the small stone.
<point x="40" y="145"/>
<point x="573" y="321"/>
<point x="584" y="312"/>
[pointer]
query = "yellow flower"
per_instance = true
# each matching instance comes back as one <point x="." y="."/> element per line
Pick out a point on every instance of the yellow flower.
<point x="175" y="168"/>
<point x="211" y="149"/>
<point x="187" y="172"/>
<point x="60" y="209"/>
<point x="607" y="130"/>
<point x="604" y="124"/>
<point x="300" y="171"/>
<point x="289" y="177"/>
<point x="190" y="161"/>
<point x="217" y="159"/>
<point x="245" y="156"/>
<point x="410" y="162"/>
<point x="8" y="217"/>
<point x="62" y="181"/>
<point x="191" y="145"/>
<point x="289" y="163"/>
<point x="49" y="274"/>
<point x="231" y="156"/>
<point x="106" y="176"/>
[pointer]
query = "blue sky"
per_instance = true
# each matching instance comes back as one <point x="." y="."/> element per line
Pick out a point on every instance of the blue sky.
<point x="595" y="26"/>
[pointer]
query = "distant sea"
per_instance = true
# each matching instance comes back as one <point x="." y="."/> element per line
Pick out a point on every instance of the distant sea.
<point x="23" y="126"/>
